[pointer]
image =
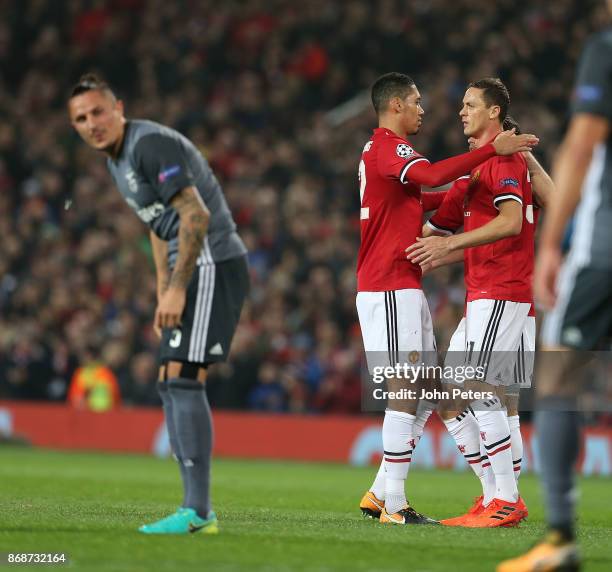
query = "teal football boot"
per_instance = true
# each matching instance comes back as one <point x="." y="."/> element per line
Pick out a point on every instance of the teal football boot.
<point x="183" y="521"/>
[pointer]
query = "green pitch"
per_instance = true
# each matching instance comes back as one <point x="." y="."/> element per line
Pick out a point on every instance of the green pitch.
<point x="273" y="516"/>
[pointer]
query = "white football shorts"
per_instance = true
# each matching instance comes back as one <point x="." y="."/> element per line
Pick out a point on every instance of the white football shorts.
<point x="498" y="337"/>
<point x="396" y="327"/>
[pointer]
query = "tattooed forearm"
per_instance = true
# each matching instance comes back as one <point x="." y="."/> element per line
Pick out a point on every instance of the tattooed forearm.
<point x="162" y="284"/>
<point x="194" y="217"/>
<point x="160" y="256"/>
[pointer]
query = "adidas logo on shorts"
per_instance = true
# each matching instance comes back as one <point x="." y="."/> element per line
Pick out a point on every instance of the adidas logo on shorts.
<point x="216" y="350"/>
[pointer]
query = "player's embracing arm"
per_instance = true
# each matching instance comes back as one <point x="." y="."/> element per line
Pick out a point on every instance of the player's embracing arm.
<point x="447" y="220"/>
<point x="449" y="216"/>
<point x="542" y="184"/>
<point x="507" y="199"/>
<point x="397" y="160"/>
<point x="161" y="161"/>
<point x="589" y="128"/>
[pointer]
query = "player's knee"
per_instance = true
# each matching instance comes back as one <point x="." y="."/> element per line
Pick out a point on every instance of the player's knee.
<point x="491" y="403"/>
<point x="511" y="401"/>
<point x="186" y="370"/>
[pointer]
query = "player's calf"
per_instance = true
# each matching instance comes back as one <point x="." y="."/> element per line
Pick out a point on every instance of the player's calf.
<point x="495" y="436"/>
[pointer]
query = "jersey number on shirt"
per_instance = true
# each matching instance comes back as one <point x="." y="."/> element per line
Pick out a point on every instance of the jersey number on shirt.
<point x="365" y="212"/>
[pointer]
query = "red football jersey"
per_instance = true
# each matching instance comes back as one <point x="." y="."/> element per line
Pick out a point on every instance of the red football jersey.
<point x="391" y="214"/>
<point x="501" y="270"/>
<point x="448" y="218"/>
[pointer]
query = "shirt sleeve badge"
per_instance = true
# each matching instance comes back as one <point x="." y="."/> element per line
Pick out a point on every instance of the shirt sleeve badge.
<point x="404" y="151"/>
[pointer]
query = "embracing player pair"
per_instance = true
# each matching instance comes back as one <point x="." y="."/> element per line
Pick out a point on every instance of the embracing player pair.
<point x="494" y="204"/>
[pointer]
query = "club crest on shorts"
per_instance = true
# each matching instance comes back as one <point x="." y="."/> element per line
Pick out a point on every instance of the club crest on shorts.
<point x="404" y="150"/>
<point x="413" y="357"/>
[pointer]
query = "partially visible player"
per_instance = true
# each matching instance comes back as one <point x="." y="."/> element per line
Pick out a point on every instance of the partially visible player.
<point x="579" y="294"/>
<point x="202" y="275"/>
<point x="499" y="243"/>
<point x="393" y="312"/>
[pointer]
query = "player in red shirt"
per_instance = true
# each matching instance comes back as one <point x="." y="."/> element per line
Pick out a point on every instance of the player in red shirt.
<point x="393" y="311"/>
<point x="499" y="250"/>
<point x="463" y="426"/>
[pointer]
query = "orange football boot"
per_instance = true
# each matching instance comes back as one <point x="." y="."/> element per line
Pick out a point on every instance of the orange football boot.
<point x="476" y="509"/>
<point x="550" y="555"/>
<point x="498" y="513"/>
<point x="371" y="506"/>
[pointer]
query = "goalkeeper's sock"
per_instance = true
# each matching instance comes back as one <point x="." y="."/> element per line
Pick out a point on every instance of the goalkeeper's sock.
<point x="192" y="418"/>
<point x="162" y="387"/>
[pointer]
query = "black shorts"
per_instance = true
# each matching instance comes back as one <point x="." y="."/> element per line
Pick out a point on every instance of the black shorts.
<point x="215" y="297"/>
<point x="582" y="317"/>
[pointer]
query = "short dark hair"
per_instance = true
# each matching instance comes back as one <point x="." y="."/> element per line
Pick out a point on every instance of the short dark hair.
<point x="90" y="82"/>
<point x="511" y="123"/>
<point x="494" y="93"/>
<point x="388" y="86"/>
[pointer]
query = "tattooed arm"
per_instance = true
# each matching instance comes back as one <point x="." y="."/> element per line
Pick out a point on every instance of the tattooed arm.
<point x="160" y="256"/>
<point x="194" y="218"/>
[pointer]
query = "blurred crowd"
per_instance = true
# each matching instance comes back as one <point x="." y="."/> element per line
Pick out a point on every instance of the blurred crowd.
<point x="260" y="87"/>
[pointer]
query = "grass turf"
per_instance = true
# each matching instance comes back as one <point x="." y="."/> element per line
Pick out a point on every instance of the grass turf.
<point x="273" y="516"/>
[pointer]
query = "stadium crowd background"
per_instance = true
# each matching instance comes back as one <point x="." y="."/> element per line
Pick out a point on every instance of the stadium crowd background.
<point x="252" y="83"/>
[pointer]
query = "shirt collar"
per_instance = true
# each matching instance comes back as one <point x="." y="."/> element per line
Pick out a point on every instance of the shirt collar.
<point x="386" y="131"/>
